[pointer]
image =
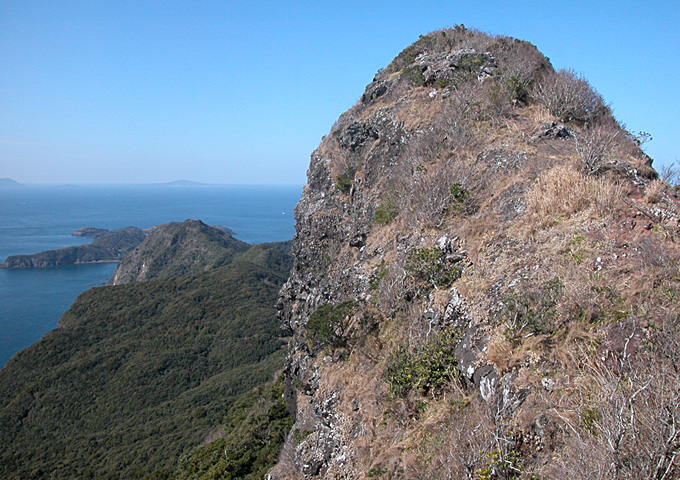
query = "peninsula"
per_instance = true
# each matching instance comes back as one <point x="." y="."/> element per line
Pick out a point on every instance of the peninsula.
<point x="107" y="247"/>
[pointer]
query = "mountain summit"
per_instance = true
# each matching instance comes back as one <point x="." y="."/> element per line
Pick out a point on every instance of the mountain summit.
<point x="176" y="249"/>
<point x="485" y="281"/>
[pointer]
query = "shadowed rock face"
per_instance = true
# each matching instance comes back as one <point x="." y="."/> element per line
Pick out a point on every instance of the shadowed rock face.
<point x="177" y="249"/>
<point x="106" y="247"/>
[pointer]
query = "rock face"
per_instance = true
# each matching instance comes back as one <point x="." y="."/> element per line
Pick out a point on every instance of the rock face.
<point x="452" y="258"/>
<point x="106" y="247"/>
<point x="177" y="249"/>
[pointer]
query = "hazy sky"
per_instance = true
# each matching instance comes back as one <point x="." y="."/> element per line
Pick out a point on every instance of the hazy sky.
<point x="242" y="91"/>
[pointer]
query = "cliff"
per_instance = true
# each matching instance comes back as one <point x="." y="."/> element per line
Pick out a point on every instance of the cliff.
<point x="177" y="249"/>
<point x="106" y="247"/>
<point x="484" y="281"/>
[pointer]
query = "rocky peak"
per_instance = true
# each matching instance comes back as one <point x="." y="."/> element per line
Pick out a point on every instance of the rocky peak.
<point x="457" y="249"/>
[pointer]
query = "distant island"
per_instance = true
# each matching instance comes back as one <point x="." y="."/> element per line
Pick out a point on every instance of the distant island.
<point x="185" y="183"/>
<point x="8" y="182"/>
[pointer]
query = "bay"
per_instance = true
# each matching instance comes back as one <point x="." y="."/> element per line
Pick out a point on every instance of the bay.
<point x="38" y="218"/>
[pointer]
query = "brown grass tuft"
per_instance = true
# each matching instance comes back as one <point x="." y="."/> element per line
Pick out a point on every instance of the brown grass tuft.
<point x="563" y="192"/>
<point x="655" y="190"/>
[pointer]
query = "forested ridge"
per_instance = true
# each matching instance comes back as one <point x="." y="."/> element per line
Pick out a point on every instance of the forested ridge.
<point x="136" y="375"/>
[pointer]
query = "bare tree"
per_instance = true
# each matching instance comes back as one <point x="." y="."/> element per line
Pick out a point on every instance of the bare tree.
<point x="670" y="173"/>
<point x="594" y="146"/>
<point x="570" y="97"/>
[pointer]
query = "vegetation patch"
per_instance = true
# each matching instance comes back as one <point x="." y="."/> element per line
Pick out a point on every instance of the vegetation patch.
<point x="386" y="212"/>
<point x="329" y="323"/>
<point x="533" y="310"/>
<point x="345" y="180"/>
<point x="252" y="435"/>
<point x="414" y="75"/>
<point x="430" y="265"/>
<point x="426" y="369"/>
<point x="138" y="373"/>
<point x="458" y="198"/>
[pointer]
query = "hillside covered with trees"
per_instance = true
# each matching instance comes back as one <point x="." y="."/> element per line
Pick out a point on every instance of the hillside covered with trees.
<point x="138" y="374"/>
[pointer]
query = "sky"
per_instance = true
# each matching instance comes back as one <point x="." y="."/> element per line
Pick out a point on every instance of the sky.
<point x="236" y="92"/>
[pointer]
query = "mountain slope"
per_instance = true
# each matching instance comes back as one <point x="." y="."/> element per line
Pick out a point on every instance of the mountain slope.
<point x="485" y="280"/>
<point x="8" y="182"/>
<point x="137" y="374"/>
<point x="177" y="249"/>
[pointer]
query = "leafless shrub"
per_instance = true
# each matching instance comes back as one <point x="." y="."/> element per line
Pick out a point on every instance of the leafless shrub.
<point x="453" y="123"/>
<point x="473" y="39"/>
<point x="670" y="173"/>
<point x="417" y="328"/>
<point x="570" y="97"/>
<point x="594" y="146"/>
<point x="424" y="192"/>
<point x="628" y="423"/>
<point x="468" y="106"/>
<point x="422" y="149"/>
<point x="393" y="287"/>
<point x="652" y="252"/>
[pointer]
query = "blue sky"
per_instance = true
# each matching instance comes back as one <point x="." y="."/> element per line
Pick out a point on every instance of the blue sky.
<point x="242" y="92"/>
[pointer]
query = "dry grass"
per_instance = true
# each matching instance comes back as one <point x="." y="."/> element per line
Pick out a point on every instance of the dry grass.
<point x="563" y="192"/>
<point x="540" y="114"/>
<point x="655" y="190"/>
<point x="499" y="351"/>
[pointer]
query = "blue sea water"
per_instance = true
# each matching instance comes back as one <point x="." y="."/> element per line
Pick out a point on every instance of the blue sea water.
<point x="37" y="218"/>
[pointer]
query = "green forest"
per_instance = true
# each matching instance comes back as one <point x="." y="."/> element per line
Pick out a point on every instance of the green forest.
<point x="137" y="376"/>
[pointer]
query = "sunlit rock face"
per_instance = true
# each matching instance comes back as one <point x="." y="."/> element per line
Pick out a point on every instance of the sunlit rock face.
<point x="458" y="254"/>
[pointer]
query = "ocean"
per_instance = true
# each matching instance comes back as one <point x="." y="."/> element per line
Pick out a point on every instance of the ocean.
<point x="37" y="218"/>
